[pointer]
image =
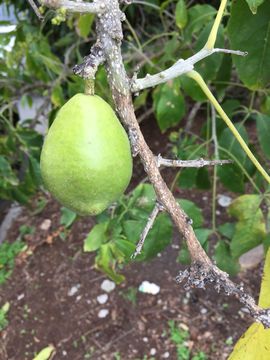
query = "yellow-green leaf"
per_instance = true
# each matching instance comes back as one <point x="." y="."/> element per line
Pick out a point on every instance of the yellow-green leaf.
<point x="254" y="344"/>
<point x="181" y="15"/>
<point x="85" y="24"/>
<point x="45" y="353"/>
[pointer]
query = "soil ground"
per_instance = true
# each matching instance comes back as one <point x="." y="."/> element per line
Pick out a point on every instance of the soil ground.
<point x="53" y="296"/>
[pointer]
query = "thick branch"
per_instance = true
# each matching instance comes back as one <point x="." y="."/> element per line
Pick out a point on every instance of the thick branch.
<point x="179" y="68"/>
<point x="189" y="163"/>
<point x="75" y="7"/>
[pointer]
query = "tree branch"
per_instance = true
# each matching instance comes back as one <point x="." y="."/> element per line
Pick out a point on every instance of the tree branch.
<point x="150" y="222"/>
<point x="179" y="68"/>
<point x="35" y="8"/>
<point x="189" y="163"/>
<point x="75" y="7"/>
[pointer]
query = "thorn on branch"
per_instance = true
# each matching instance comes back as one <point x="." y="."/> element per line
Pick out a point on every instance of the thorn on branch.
<point x="150" y="222"/>
<point x="199" y="275"/>
<point x="189" y="163"/>
<point x="90" y="64"/>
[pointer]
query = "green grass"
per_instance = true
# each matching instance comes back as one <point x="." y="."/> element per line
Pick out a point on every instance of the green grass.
<point x="8" y="253"/>
<point x="3" y="316"/>
<point x="180" y="337"/>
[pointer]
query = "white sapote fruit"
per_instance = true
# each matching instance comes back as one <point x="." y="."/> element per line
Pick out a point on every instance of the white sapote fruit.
<point x="86" y="161"/>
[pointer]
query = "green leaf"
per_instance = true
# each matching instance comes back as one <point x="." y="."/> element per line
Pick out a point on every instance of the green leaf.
<point x="224" y="259"/>
<point x="45" y="353"/>
<point x="126" y="247"/>
<point x="67" y="217"/>
<point x="187" y="178"/>
<point x="227" y="230"/>
<point x="253" y="69"/>
<point x="181" y="16"/>
<point x="202" y="235"/>
<point x="263" y="130"/>
<point x="250" y="229"/>
<point x="97" y="236"/>
<point x="254" y="4"/>
<point x="105" y="262"/>
<point x="192" y="211"/>
<point x="231" y="175"/>
<point x="169" y="105"/>
<point x="208" y="68"/>
<point x="57" y="96"/>
<point x="158" y="238"/>
<point x="198" y="17"/>
<point x="85" y="24"/>
<point x="254" y="343"/>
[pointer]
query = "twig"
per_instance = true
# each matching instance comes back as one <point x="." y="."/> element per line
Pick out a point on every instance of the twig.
<point x="75" y="7"/>
<point x="189" y="163"/>
<point x="150" y="222"/>
<point x="90" y="64"/>
<point x="199" y="275"/>
<point x="36" y="10"/>
<point x="179" y="68"/>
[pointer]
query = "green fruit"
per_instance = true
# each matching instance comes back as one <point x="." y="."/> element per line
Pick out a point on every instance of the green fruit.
<point x="86" y="161"/>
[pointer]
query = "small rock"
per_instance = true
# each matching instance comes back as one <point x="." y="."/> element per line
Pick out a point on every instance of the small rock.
<point x="78" y="298"/>
<point x="252" y="258"/>
<point x="45" y="225"/>
<point x="149" y="288"/>
<point x="102" y="299"/>
<point x="107" y="285"/>
<point x="224" y="200"/>
<point x="153" y="352"/>
<point x="145" y="339"/>
<point x="103" y="313"/>
<point x="20" y="297"/>
<point x="73" y="290"/>
<point x="166" y="355"/>
<point x="64" y="353"/>
<point x="203" y="311"/>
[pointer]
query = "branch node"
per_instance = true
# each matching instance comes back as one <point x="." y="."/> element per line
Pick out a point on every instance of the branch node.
<point x="199" y="275"/>
<point x="88" y="68"/>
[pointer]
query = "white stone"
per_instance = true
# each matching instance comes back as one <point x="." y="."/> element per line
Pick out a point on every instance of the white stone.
<point x="102" y="299"/>
<point x="252" y="258"/>
<point x="45" y="225"/>
<point x="20" y="297"/>
<point x="107" y="285"/>
<point x="103" y="313"/>
<point x="153" y="352"/>
<point x="224" y="200"/>
<point x="149" y="288"/>
<point x="166" y="355"/>
<point x="73" y="290"/>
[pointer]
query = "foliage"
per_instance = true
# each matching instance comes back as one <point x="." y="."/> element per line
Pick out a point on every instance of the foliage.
<point x="117" y="232"/>
<point x="8" y="253"/>
<point x="3" y="316"/>
<point x="180" y="337"/>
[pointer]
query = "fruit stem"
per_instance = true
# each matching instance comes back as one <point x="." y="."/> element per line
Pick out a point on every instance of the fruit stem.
<point x="89" y="87"/>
